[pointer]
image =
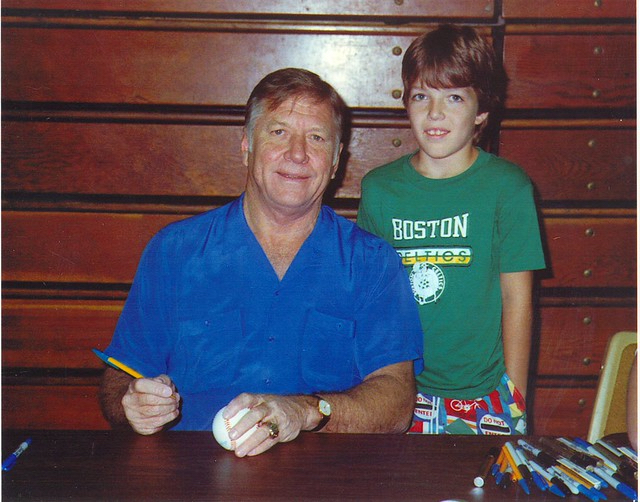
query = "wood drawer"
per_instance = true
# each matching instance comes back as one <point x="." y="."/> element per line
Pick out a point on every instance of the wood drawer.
<point x="574" y="9"/>
<point x="51" y="407"/>
<point x="76" y="247"/>
<point x="205" y="68"/>
<point x="575" y="164"/>
<point x="590" y="252"/>
<point x="573" y="339"/>
<point x="562" y="411"/>
<point x="56" y="333"/>
<point x="588" y="71"/>
<point x="406" y="8"/>
<point x="160" y="159"/>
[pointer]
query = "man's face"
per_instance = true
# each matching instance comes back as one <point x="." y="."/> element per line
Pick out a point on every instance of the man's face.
<point x="292" y="159"/>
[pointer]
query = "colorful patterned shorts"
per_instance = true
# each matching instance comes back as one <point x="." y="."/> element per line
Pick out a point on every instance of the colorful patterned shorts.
<point x="501" y="412"/>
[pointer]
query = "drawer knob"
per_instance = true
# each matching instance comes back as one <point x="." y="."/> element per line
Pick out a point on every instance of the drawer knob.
<point x="582" y="402"/>
<point x="587" y="273"/>
<point x="396" y="50"/>
<point x="400" y="2"/>
<point x="396" y="93"/>
<point x="596" y="94"/>
<point x="597" y="3"/>
<point x="598" y="50"/>
<point x="589" y="232"/>
<point x="586" y="321"/>
<point x="591" y="143"/>
<point x="591" y="185"/>
<point x="397" y="142"/>
<point x="586" y="361"/>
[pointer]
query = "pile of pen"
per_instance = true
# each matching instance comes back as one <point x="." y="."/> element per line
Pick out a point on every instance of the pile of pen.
<point x="563" y="467"/>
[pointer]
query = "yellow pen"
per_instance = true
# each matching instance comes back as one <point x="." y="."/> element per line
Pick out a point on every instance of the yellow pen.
<point x="117" y="364"/>
<point x="114" y="363"/>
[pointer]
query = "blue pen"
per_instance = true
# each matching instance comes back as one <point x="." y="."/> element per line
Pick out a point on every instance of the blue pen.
<point x="10" y="461"/>
<point x="534" y="477"/>
<point x="548" y="478"/>
<point x="623" y="488"/>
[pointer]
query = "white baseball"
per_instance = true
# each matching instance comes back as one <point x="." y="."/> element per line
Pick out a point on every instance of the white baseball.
<point x="221" y="427"/>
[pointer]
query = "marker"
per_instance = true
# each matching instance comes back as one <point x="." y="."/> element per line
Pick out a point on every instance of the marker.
<point x="542" y="457"/>
<point x="579" y="450"/>
<point x="522" y="464"/>
<point x="10" y="461"/>
<point x="495" y="468"/>
<point x="514" y="467"/>
<point x="502" y="469"/>
<point x="489" y="460"/>
<point x="629" y="453"/>
<point x="577" y="487"/>
<point x="593" y="451"/>
<point x="537" y="479"/>
<point x="560" y="449"/>
<point x="117" y="364"/>
<point x="623" y="488"/>
<point x="621" y="465"/>
<point x="554" y="486"/>
<point x="568" y="482"/>
<point x="582" y="473"/>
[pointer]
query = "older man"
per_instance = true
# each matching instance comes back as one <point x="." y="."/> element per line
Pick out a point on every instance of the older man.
<point x="272" y="302"/>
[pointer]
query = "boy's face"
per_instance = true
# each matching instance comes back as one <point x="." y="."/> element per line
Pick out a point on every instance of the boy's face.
<point x="444" y="121"/>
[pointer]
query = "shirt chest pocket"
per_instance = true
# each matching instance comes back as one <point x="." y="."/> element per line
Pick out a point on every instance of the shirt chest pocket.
<point x="329" y="353"/>
<point x="207" y="353"/>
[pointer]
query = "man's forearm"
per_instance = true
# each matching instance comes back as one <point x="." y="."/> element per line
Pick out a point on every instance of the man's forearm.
<point x="113" y="387"/>
<point x="383" y="403"/>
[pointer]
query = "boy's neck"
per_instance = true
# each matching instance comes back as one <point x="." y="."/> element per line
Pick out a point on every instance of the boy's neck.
<point x="447" y="167"/>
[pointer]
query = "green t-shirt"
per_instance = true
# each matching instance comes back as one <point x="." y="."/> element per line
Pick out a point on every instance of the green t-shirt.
<point x="455" y="236"/>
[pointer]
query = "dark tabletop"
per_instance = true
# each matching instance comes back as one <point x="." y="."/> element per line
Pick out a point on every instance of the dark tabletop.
<point x="113" y="466"/>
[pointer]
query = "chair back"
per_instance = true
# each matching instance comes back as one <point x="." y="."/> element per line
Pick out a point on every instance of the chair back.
<point x="610" y="408"/>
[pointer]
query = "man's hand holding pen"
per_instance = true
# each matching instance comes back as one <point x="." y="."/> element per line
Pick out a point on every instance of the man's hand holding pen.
<point x="151" y="403"/>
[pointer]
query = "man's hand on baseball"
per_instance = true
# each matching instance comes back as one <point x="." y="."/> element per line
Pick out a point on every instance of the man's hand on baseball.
<point x="288" y="413"/>
<point x="151" y="403"/>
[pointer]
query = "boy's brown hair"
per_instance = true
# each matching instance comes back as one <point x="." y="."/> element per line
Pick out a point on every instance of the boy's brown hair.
<point x="455" y="56"/>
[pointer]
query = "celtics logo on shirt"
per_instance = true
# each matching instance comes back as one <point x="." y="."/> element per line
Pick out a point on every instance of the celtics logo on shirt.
<point x="426" y="274"/>
<point x="427" y="282"/>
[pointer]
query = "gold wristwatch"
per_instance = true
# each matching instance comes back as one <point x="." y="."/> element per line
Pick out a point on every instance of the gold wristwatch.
<point x="324" y="408"/>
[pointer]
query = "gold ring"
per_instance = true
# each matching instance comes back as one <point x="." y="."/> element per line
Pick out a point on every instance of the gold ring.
<point x="274" y="430"/>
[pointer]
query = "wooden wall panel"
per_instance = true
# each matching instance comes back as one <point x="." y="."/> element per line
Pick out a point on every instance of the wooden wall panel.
<point x="333" y="8"/>
<point x="590" y="252"/>
<point x="563" y="411"/>
<point x="589" y="71"/>
<point x="576" y="9"/>
<point x="573" y="339"/>
<point x="56" y="333"/>
<point x="123" y="159"/>
<point x="76" y="247"/>
<point x="184" y="68"/>
<point x="592" y="164"/>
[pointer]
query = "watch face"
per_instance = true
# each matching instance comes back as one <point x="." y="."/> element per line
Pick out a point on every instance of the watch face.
<point x="324" y="407"/>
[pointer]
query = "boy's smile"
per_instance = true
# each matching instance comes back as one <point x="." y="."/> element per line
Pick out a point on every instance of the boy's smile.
<point x="444" y="122"/>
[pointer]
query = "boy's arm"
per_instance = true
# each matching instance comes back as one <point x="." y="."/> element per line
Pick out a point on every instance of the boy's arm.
<point x="517" y="314"/>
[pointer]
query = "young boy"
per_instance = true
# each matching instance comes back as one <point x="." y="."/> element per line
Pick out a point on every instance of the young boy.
<point x="465" y="224"/>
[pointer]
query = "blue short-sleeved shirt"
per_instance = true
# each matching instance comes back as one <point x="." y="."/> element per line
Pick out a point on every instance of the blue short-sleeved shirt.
<point x="207" y="308"/>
